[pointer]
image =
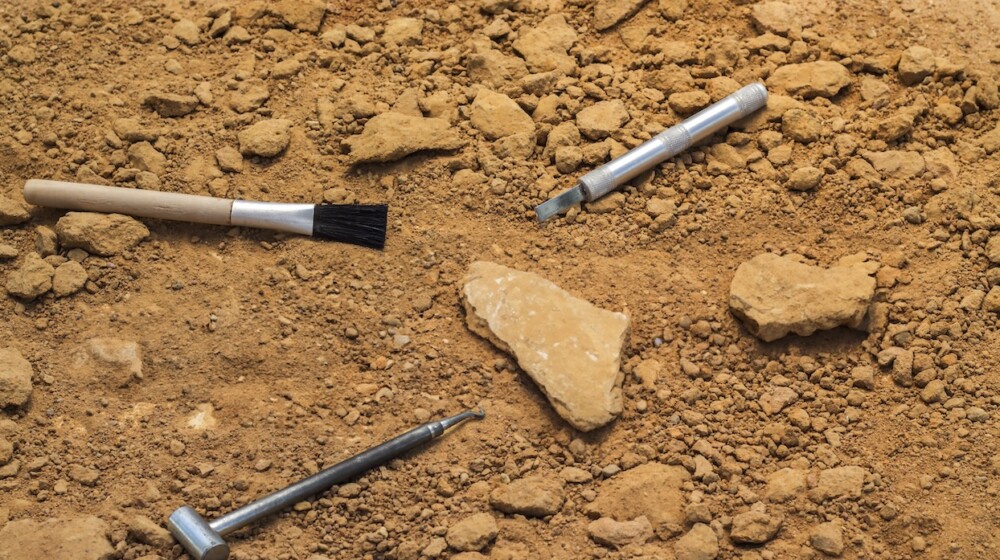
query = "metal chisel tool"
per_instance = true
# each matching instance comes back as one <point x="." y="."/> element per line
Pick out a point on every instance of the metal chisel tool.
<point x="664" y="145"/>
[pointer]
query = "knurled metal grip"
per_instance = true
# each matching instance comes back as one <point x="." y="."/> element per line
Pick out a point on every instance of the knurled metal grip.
<point x="750" y="98"/>
<point x="598" y="183"/>
<point x="675" y="140"/>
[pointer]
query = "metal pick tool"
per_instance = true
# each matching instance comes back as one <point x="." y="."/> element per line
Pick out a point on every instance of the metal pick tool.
<point x="664" y="145"/>
<point x="203" y="539"/>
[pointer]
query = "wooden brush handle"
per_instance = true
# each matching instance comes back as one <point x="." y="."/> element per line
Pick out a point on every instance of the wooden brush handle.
<point x="133" y="202"/>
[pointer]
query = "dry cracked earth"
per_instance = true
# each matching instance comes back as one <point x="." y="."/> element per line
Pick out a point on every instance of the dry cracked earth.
<point x="809" y="367"/>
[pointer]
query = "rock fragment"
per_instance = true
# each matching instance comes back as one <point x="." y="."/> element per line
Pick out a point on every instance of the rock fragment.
<point x="774" y="296"/>
<point x="827" y="538"/>
<point x="496" y="115"/>
<point x="69" y="278"/>
<point x="248" y="99"/>
<point x="57" y="538"/>
<point x="776" y="399"/>
<point x="785" y="484"/>
<point x="131" y="130"/>
<point x="609" y="13"/>
<point x="12" y="212"/>
<point x="700" y="543"/>
<point x="915" y="64"/>
<point x="32" y="279"/>
<point x="535" y="496"/>
<point x="186" y="32"/>
<point x="569" y="347"/>
<point x="801" y="125"/>
<point x="754" y="527"/>
<point x="403" y="31"/>
<point x="114" y="359"/>
<point x="610" y="532"/>
<point x="494" y="69"/>
<point x="898" y="164"/>
<point x="101" y="234"/>
<point x="778" y="17"/>
<point x="822" y="78"/>
<point x="304" y="15"/>
<point x="391" y="136"/>
<point x="838" y="482"/>
<point x="544" y="46"/>
<point x="651" y="490"/>
<point x="144" y="157"/>
<point x="602" y="118"/>
<point x="805" y="178"/>
<point x="267" y="138"/>
<point x="229" y="159"/>
<point x="472" y="533"/>
<point x="15" y="378"/>
<point x="147" y="531"/>
<point x="170" y="104"/>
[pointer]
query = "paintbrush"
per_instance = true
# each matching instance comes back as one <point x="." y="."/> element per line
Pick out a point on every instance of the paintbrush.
<point x="360" y="224"/>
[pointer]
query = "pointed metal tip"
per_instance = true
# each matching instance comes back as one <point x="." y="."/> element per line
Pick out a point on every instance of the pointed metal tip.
<point x="479" y="412"/>
<point x="461" y="417"/>
<point x="559" y="204"/>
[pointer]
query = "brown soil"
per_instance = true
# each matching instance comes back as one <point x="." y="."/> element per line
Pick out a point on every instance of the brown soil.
<point x="290" y="343"/>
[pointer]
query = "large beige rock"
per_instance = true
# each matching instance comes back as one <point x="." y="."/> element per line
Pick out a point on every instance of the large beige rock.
<point x="32" y="279"/>
<point x="266" y="138"/>
<point x="602" y="119"/>
<point x="113" y="360"/>
<point x="15" y="378"/>
<point x="544" y="46"/>
<point x="12" y="212"/>
<point x="774" y="296"/>
<point x="779" y="17"/>
<point x="101" y="234"/>
<point x="608" y="13"/>
<point x="570" y="348"/>
<point x="305" y="15"/>
<point x="78" y="538"/>
<point x="534" y="496"/>
<point x="496" y="115"/>
<point x="822" y="78"/>
<point x="391" y="136"/>
<point x="652" y="490"/>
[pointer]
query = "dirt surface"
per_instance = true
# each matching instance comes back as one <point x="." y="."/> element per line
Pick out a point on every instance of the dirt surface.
<point x="208" y="366"/>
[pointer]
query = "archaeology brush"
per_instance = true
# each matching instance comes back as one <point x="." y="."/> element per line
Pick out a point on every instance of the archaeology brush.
<point x="664" y="145"/>
<point x="360" y="224"/>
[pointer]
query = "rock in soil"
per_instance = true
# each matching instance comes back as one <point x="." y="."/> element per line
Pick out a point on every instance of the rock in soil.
<point x="775" y="295"/>
<point x="100" y="234"/>
<point x="754" y="527"/>
<point x="113" y="359"/>
<point x="473" y="533"/>
<point x="69" y="278"/>
<point x="827" y="538"/>
<point x="496" y="115"/>
<point x="391" y="136"/>
<point x="170" y="104"/>
<point x="601" y="119"/>
<point x="811" y="79"/>
<point x="12" y="212"/>
<point x="569" y="347"/>
<point x="266" y="139"/>
<point x="536" y="496"/>
<point x="608" y="13"/>
<point x="32" y="279"/>
<point x="57" y="538"/>
<point x="700" y="543"/>
<point x="15" y="378"/>
<point x="610" y="532"/>
<point x="650" y="490"/>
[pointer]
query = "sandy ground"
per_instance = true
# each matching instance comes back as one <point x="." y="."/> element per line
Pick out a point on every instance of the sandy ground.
<point x="265" y="356"/>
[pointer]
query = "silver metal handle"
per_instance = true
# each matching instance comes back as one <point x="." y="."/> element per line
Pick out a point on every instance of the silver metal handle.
<point x="673" y="141"/>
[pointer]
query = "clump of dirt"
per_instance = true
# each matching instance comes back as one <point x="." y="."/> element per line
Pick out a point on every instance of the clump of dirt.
<point x="207" y="366"/>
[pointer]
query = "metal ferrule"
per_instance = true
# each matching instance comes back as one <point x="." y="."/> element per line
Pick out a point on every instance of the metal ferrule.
<point x="279" y="216"/>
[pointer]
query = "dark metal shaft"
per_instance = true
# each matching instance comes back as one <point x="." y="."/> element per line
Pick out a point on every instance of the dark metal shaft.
<point x="345" y="470"/>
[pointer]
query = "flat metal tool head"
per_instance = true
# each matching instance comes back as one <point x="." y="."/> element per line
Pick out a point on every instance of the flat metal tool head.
<point x="196" y="536"/>
<point x="559" y="204"/>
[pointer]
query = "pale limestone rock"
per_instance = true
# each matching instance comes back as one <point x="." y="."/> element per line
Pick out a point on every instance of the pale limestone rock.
<point x="391" y="136"/>
<point x="700" y="543"/>
<point x="652" y="490"/>
<point x="774" y="296"/>
<point x="497" y="116"/>
<point x="608" y="13"/>
<point x="112" y="359"/>
<point x="544" y="46"/>
<point x="12" y="212"/>
<point x="100" y="234"/>
<point x="602" y="119"/>
<point x="779" y="17"/>
<point x="535" y="496"/>
<point x="15" y="378"/>
<point x="785" y="484"/>
<point x="266" y="138"/>
<point x="472" y="533"/>
<point x="570" y="348"/>
<point x="610" y="532"/>
<point x="69" y="278"/>
<point x="77" y="538"/>
<point x="32" y="279"/>
<point x="822" y="78"/>
<point x="839" y="482"/>
<point x="754" y="527"/>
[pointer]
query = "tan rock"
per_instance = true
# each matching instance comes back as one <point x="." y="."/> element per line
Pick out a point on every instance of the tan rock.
<point x="494" y="69"/>
<point x="544" y="46"/>
<point x="915" y="64"/>
<point x="32" y="279"/>
<point x="112" y="359"/>
<point x="69" y="278"/>
<point x="898" y="164"/>
<point x="785" y="484"/>
<point x="700" y="543"/>
<point x="754" y="527"/>
<point x="496" y="116"/>
<point x="12" y="212"/>
<point x="652" y="490"/>
<point x="610" y="532"/>
<point x="15" y="378"/>
<point x="827" y="538"/>
<point x="472" y="533"/>
<point x="304" y="15"/>
<point x="267" y="138"/>
<point x="391" y="136"/>
<point x="403" y="31"/>
<point x="822" y="78"/>
<point x="535" y="496"/>
<point x="100" y="234"/>
<point x="805" y="178"/>
<point x="144" y="157"/>
<point x="602" y="119"/>
<point x="75" y="538"/>
<point x="569" y="347"/>
<point x="170" y="104"/>
<point x="147" y="531"/>
<point x="608" y="13"/>
<point x="839" y="482"/>
<point x="774" y="296"/>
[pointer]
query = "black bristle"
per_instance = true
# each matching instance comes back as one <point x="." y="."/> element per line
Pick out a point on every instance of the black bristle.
<point x="360" y="224"/>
